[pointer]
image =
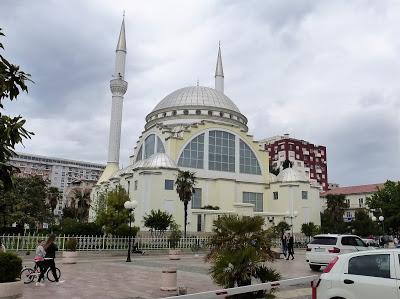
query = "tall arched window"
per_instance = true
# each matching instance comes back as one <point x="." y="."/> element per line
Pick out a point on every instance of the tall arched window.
<point x="221" y="151"/>
<point x="139" y="154"/>
<point x="248" y="160"/>
<point x="160" y="146"/>
<point x="193" y="154"/>
<point x="149" y="144"/>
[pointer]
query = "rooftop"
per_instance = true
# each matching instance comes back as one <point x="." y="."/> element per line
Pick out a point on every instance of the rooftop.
<point x="360" y="189"/>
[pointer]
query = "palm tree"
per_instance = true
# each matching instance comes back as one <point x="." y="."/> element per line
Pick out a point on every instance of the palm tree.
<point x="53" y="196"/>
<point x="185" y="183"/>
<point x="82" y="204"/>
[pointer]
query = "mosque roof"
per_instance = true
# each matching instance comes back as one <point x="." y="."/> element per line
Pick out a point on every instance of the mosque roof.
<point x="196" y="96"/>
<point x="159" y="160"/>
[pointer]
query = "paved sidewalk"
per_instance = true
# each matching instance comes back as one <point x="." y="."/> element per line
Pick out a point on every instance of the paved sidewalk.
<point x="112" y="277"/>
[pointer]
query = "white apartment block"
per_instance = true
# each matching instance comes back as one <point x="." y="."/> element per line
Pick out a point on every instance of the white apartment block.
<point x="58" y="171"/>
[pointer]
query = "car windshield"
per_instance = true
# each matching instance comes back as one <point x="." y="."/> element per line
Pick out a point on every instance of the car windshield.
<point x="324" y="241"/>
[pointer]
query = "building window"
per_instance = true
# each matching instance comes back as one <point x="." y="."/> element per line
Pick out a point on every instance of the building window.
<point x="348" y="214"/>
<point x="196" y="198"/>
<point x="139" y="154"/>
<point x="221" y="114"/>
<point x="276" y="196"/>
<point x="169" y="184"/>
<point x="254" y="198"/>
<point x="221" y="155"/>
<point x="149" y="146"/>
<point x="160" y="146"/>
<point x="193" y="154"/>
<point x="198" y="112"/>
<point x="248" y="160"/>
<point x="185" y="112"/>
<point x="129" y="187"/>
<point x="136" y="184"/>
<point x="361" y="202"/>
<point x="304" y="195"/>
<point x="348" y="203"/>
<point x="173" y="112"/>
<point x="210" y="113"/>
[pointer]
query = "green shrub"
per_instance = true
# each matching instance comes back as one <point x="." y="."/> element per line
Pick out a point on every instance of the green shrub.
<point x="175" y="235"/>
<point x="123" y="230"/>
<point x="71" y="244"/>
<point x="10" y="267"/>
<point x="73" y="227"/>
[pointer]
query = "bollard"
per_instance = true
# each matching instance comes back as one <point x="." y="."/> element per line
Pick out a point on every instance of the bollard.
<point x="168" y="279"/>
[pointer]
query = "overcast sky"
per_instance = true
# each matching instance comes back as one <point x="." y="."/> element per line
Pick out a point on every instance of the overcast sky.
<point x="324" y="71"/>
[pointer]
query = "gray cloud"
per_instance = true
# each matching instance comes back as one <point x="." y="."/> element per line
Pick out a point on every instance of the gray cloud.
<point x="324" y="71"/>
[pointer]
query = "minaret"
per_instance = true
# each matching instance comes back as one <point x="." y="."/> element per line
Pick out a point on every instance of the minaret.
<point x="219" y="72"/>
<point x="118" y="88"/>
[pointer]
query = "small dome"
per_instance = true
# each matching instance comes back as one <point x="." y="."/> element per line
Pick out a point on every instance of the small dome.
<point x="291" y="175"/>
<point x="196" y="96"/>
<point x="272" y="178"/>
<point x="159" y="160"/>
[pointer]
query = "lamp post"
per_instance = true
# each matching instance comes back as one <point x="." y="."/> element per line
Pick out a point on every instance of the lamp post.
<point x="291" y="216"/>
<point x="130" y="206"/>
<point x="381" y="219"/>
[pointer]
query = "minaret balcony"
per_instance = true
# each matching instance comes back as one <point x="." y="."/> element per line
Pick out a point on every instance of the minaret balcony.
<point x="118" y="87"/>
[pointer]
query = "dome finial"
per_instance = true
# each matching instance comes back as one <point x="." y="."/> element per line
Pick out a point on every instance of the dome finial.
<point x="219" y="71"/>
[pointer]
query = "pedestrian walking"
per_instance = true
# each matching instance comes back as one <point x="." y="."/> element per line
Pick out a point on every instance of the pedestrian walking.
<point x="290" y="247"/>
<point x="2" y="247"/>
<point x="284" y="241"/>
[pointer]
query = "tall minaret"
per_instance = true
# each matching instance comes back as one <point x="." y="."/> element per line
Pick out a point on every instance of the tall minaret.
<point x="118" y="88"/>
<point x="219" y="72"/>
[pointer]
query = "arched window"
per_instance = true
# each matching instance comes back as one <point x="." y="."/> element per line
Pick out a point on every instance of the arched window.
<point x="248" y="160"/>
<point x="139" y="154"/>
<point x="198" y="112"/>
<point x="160" y="146"/>
<point x="221" y="151"/>
<point x="185" y="112"/>
<point x="193" y="154"/>
<point x="210" y="113"/>
<point x="173" y="112"/>
<point x="149" y="144"/>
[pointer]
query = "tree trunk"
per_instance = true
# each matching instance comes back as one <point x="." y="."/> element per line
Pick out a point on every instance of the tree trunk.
<point x="185" y="207"/>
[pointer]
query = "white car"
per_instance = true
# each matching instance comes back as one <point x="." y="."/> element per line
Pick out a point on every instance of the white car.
<point x="368" y="275"/>
<point x="325" y="248"/>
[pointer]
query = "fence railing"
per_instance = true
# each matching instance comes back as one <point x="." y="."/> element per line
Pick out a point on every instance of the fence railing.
<point x="110" y="243"/>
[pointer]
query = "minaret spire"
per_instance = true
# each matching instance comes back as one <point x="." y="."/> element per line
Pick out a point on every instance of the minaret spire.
<point x="219" y="72"/>
<point x="118" y="88"/>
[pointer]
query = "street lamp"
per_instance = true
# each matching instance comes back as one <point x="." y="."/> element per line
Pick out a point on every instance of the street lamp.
<point x="130" y="206"/>
<point x="291" y="216"/>
<point x="381" y="219"/>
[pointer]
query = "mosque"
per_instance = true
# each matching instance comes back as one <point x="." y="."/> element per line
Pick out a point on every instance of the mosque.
<point x="200" y="129"/>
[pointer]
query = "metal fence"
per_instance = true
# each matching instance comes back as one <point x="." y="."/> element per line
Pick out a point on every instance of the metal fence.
<point x="110" y="243"/>
<point x="102" y="243"/>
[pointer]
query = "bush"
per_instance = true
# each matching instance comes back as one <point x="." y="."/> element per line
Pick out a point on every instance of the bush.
<point x="71" y="244"/>
<point x="10" y="267"/>
<point x="123" y="230"/>
<point x="73" y="227"/>
<point x="175" y="235"/>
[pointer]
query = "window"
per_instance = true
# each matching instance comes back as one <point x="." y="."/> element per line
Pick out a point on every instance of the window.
<point x="199" y="223"/>
<point x="221" y="155"/>
<point x="198" y="112"/>
<point x="196" y="198"/>
<point x="160" y="146"/>
<point x="347" y="203"/>
<point x="304" y="195"/>
<point x="139" y="154"/>
<point x="210" y="113"/>
<point x="169" y="184"/>
<point x="254" y="198"/>
<point x="193" y="154"/>
<point x="136" y="183"/>
<point x="361" y="202"/>
<point x="276" y="195"/>
<point x="324" y="241"/>
<point x="248" y="160"/>
<point x="129" y="187"/>
<point x="174" y="112"/>
<point x="149" y="146"/>
<point x="185" y="112"/>
<point x="221" y="114"/>
<point x="348" y="214"/>
<point x="375" y="265"/>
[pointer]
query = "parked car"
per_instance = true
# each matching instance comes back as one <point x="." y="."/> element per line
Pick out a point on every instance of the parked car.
<point x="324" y="248"/>
<point x="371" y="243"/>
<point x="368" y="275"/>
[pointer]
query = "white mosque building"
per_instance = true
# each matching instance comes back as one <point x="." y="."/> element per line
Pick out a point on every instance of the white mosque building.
<point x="200" y="129"/>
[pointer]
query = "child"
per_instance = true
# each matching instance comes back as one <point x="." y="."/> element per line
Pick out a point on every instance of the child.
<point x="39" y="258"/>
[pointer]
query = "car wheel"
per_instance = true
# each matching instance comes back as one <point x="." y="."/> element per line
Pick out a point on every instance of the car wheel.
<point x="315" y="267"/>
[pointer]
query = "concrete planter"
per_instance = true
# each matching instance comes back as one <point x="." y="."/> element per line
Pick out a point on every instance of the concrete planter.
<point x="174" y="254"/>
<point x="11" y="290"/>
<point x="168" y="279"/>
<point x="69" y="257"/>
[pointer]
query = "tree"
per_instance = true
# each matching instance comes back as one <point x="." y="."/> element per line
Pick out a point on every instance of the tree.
<point x="115" y="217"/>
<point x="157" y="221"/>
<point x="238" y="247"/>
<point x="82" y="199"/>
<point x="363" y="224"/>
<point x="309" y="229"/>
<point x="53" y="196"/>
<point x="386" y="202"/>
<point x="12" y="131"/>
<point x="25" y="203"/>
<point x="185" y="183"/>
<point x="332" y="218"/>
<point x="281" y="228"/>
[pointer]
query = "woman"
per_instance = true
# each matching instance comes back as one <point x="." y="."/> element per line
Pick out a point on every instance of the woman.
<point x="284" y="245"/>
<point x="290" y="247"/>
<point x="2" y="247"/>
<point x="50" y="248"/>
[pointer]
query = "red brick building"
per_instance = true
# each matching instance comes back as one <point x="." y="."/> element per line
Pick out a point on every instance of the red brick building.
<point x="305" y="156"/>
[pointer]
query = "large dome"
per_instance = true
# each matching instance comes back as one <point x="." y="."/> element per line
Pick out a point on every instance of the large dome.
<point x="196" y="96"/>
<point x="193" y="104"/>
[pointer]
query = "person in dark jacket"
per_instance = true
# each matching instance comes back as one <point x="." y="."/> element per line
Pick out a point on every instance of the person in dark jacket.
<point x="290" y="247"/>
<point x="50" y="248"/>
